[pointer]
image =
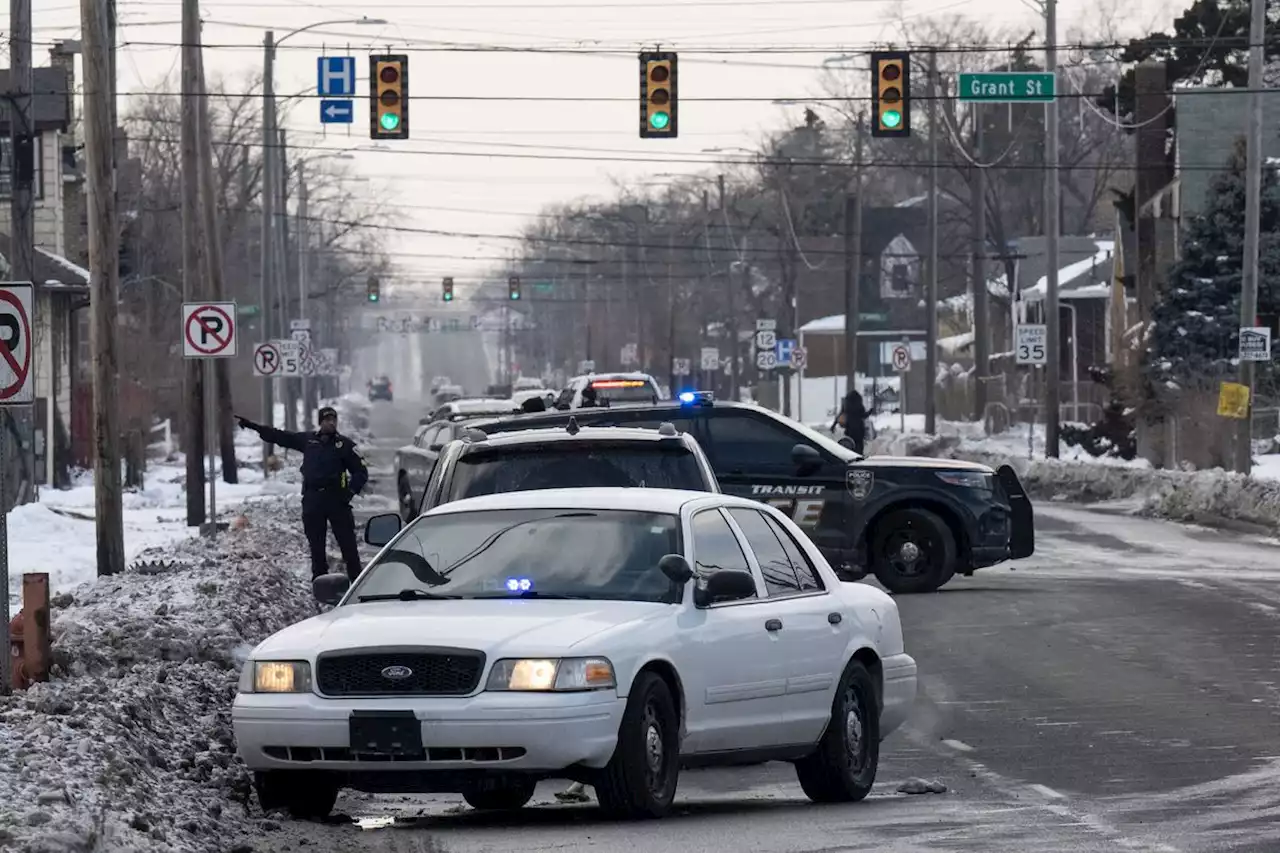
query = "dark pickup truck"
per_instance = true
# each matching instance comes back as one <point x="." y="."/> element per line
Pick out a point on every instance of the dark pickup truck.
<point x="912" y="522"/>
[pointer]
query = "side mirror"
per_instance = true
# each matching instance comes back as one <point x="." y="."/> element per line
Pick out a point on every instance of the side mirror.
<point x="806" y="457"/>
<point x="435" y="447"/>
<point x="329" y="589"/>
<point x="725" y="585"/>
<point x="381" y="529"/>
<point x="677" y="568"/>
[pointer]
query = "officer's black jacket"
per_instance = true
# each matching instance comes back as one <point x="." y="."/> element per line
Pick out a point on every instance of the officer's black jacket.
<point x="328" y="461"/>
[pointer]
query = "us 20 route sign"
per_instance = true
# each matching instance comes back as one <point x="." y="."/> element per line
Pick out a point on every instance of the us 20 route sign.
<point x="209" y="329"/>
<point x="17" y="348"/>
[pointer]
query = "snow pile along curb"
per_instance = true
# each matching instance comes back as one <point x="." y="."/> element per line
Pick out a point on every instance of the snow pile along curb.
<point x="130" y="745"/>
<point x="1214" y="497"/>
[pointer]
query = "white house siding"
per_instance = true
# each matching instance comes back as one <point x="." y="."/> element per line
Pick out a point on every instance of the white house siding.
<point x="50" y="232"/>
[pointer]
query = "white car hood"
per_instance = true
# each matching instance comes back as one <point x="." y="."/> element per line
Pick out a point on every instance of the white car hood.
<point x="499" y="627"/>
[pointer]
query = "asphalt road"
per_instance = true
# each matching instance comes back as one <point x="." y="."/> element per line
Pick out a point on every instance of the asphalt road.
<point x="1115" y="692"/>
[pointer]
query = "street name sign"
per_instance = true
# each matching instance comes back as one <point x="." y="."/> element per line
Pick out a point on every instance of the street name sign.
<point x="1008" y="87"/>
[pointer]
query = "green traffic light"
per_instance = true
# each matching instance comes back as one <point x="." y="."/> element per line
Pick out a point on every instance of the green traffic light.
<point x="659" y="121"/>
<point x="891" y="118"/>
<point x="448" y="297"/>
<point x="373" y="297"/>
<point x="389" y="121"/>
<point x="515" y="294"/>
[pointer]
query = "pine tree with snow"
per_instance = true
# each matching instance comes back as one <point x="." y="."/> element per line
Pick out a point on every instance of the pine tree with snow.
<point x="1194" y="339"/>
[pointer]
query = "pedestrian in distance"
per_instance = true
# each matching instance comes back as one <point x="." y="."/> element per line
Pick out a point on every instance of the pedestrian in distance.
<point x="333" y="472"/>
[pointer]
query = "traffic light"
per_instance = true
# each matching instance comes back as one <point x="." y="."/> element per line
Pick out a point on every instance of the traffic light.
<point x="374" y="289"/>
<point x="389" y="96"/>
<point x="891" y="93"/>
<point x="658" y="100"/>
<point x="448" y="289"/>
<point x="513" y="288"/>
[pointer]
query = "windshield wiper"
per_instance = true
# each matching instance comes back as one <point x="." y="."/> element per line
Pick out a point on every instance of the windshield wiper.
<point x="408" y="595"/>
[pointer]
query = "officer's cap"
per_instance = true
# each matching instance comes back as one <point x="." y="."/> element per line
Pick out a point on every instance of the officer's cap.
<point x="328" y="412"/>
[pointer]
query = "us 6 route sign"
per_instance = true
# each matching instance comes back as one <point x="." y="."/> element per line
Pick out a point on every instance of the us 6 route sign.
<point x="209" y="329"/>
<point x="1030" y="343"/>
<point x="17" y="345"/>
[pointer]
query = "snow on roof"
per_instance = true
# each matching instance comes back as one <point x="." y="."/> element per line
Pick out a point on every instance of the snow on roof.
<point x="1090" y="288"/>
<point x="74" y="269"/>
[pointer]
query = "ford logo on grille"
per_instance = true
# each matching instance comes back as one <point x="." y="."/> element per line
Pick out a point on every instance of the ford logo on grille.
<point x="397" y="673"/>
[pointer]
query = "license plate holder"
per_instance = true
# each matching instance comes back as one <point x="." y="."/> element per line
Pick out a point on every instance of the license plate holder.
<point x="397" y="734"/>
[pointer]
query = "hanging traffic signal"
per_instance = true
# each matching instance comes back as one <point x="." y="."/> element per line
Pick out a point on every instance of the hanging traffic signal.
<point x="513" y="288"/>
<point x="374" y="289"/>
<point x="891" y="93"/>
<point x="448" y="289"/>
<point x="389" y="97"/>
<point x="658" y="95"/>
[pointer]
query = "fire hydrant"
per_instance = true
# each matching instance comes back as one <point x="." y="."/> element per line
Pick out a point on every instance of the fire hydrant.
<point x="17" y="659"/>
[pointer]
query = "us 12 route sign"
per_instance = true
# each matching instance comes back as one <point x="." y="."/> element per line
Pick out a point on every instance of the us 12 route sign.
<point x="17" y="344"/>
<point x="209" y="329"/>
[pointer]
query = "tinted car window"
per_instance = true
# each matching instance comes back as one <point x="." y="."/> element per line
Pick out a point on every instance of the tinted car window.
<point x="715" y="547"/>
<point x="806" y="572"/>
<point x="597" y="554"/>
<point x="779" y="575"/>
<point x="562" y="466"/>
<point x="745" y="442"/>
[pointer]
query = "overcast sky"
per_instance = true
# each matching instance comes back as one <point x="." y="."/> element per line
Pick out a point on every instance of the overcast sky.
<point x="559" y="144"/>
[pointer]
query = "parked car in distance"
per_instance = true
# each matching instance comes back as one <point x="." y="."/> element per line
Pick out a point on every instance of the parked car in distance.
<point x="380" y="389"/>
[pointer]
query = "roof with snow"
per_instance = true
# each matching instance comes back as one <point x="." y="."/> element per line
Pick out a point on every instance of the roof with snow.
<point x="51" y="270"/>
<point x="1086" y="272"/>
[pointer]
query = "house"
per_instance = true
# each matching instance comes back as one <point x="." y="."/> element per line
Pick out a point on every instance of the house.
<point x="62" y="287"/>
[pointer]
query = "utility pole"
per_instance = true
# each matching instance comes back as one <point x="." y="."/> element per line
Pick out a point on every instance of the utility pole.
<point x="289" y="390"/>
<point x="265" y="293"/>
<point x="853" y="267"/>
<point x="22" y="212"/>
<point x="981" y="297"/>
<point x="732" y="289"/>
<point x="1252" y="223"/>
<point x="104" y="279"/>
<point x="215" y="286"/>
<point x="931" y="288"/>
<point x="304" y="248"/>
<point x="1053" y="368"/>
<point x="193" y="423"/>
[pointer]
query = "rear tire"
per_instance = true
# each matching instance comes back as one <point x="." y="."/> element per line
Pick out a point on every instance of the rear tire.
<point x="507" y="796"/>
<point x="843" y="769"/>
<point x="907" y="532"/>
<point x="305" y="795"/>
<point x="640" y="780"/>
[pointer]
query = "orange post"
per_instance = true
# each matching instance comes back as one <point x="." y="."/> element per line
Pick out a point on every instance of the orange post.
<point x="37" y="654"/>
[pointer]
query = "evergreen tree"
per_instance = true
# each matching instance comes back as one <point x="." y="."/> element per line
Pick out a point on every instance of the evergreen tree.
<point x="1194" y="339"/>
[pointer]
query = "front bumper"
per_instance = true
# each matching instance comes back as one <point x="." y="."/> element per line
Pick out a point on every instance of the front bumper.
<point x="496" y="732"/>
<point x="899" y="675"/>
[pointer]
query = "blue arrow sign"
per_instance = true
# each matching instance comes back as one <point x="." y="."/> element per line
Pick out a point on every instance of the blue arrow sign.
<point x="336" y="76"/>
<point x="784" y="349"/>
<point x="337" y="112"/>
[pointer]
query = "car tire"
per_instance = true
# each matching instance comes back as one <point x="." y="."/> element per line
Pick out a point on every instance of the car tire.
<point x="507" y="796"/>
<point x="640" y="779"/>
<point x="304" y="795"/>
<point x="934" y="546"/>
<point x="843" y="768"/>
<point x="407" y="510"/>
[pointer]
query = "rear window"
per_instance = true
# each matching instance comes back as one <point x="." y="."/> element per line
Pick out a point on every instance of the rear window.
<point x="562" y="466"/>
<point x="625" y="391"/>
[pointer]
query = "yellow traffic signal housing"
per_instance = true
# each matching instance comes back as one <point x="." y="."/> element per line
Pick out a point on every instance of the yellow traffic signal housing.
<point x="389" y="97"/>
<point x="891" y="93"/>
<point x="658" y="100"/>
<point x="513" y="288"/>
<point x="373" y="288"/>
<point x="448" y="289"/>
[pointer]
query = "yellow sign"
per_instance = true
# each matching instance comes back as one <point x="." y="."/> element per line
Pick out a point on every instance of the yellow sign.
<point x="1233" y="401"/>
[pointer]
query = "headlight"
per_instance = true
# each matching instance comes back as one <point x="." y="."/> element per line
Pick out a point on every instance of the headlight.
<point x="275" y="676"/>
<point x="550" y="674"/>
<point x="968" y="479"/>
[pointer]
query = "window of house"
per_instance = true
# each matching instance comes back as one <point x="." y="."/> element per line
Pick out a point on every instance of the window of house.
<point x="6" y="167"/>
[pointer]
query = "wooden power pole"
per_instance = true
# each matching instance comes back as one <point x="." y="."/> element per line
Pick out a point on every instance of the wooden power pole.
<point x="193" y="422"/>
<point x="22" y="214"/>
<point x="214" y="284"/>
<point x="853" y="268"/>
<point x="104" y="278"/>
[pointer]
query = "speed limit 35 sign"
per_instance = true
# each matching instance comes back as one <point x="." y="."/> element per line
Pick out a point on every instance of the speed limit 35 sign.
<point x="1031" y="341"/>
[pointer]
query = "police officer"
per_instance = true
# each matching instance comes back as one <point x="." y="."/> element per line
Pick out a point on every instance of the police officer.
<point x="332" y="473"/>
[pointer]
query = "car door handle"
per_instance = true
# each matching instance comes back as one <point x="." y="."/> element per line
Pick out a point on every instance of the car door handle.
<point x="773" y="625"/>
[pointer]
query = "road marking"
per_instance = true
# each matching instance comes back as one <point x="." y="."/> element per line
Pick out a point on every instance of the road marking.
<point x="1046" y="791"/>
<point x="958" y="745"/>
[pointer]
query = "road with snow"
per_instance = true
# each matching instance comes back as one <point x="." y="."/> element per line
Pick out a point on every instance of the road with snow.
<point x="1115" y="692"/>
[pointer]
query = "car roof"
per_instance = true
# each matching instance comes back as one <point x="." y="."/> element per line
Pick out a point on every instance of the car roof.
<point x="478" y="405"/>
<point x="586" y="433"/>
<point x="664" y="501"/>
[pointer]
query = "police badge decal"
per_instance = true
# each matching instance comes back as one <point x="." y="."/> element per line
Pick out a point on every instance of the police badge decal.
<point x="859" y="482"/>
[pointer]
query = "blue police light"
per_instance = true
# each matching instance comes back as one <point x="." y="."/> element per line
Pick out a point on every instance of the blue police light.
<point x="696" y="398"/>
<point x="688" y="397"/>
<point x="519" y="584"/>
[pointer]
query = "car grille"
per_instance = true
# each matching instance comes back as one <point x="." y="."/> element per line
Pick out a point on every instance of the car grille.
<point x="439" y="672"/>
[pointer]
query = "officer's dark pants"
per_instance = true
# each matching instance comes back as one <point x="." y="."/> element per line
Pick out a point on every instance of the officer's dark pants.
<point x="324" y="509"/>
<point x="859" y="439"/>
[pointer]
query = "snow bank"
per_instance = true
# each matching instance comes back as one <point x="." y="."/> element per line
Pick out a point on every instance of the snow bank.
<point x="130" y="746"/>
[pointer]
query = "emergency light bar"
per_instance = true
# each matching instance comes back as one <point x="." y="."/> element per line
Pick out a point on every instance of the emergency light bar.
<point x="620" y="383"/>
<point x="690" y="398"/>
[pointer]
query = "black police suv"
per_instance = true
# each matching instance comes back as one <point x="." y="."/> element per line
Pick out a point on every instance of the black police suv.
<point x="564" y="457"/>
<point x="913" y="522"/>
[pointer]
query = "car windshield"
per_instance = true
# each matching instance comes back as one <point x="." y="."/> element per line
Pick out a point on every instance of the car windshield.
<point x="625" y="391"/>
<point x="566" y="465"/>
<point x="528" y="553"/>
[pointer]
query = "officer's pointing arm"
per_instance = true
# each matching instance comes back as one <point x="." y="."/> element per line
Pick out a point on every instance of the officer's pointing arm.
<point x="356" y="467"/>
<point x="279" y="437"/>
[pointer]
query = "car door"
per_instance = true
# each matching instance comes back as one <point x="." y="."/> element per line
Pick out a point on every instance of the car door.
<point x="418" y="464"/>
<point x="736" y="685"/>
<point x="1022" y="528"/>
<point x="814" y="632"/>
<point x="751" y="455"/>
